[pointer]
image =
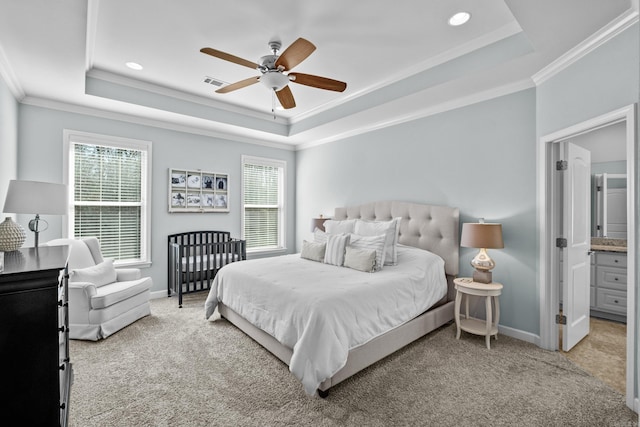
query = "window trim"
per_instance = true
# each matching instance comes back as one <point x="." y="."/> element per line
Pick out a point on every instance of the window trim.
<point x="72" y="136"/>
<point x="281" y="164"/>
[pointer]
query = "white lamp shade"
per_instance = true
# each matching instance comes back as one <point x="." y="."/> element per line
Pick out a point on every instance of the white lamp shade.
<point x="35" y="197"/>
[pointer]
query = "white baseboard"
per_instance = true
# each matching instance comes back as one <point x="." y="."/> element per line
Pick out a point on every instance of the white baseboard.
<point x="159" y="294"/>
<point x="520" y="335"/>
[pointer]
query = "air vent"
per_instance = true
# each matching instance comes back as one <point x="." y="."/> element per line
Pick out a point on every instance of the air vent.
<point x="212" y="81"/>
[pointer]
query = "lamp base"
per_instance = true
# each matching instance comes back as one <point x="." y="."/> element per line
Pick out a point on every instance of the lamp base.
<point x="482" y="276"/>
<point x="12" y="235"/>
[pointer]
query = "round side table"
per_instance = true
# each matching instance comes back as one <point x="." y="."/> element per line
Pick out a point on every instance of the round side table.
<point x="465" y="287"/>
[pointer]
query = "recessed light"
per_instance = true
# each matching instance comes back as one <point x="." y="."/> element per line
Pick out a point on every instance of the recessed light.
<point x="134" y="66"/>
<point x="459" y="18"/>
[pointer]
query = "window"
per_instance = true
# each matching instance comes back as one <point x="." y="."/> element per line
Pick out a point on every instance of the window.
<point x="263" y="195"/>
<point x="109" y="190"/>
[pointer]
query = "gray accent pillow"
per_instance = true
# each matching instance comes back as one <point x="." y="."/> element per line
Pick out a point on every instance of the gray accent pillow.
<point x="375" y="243"/>
<point x="313" y="251"/>
<point x="360" y="259"/>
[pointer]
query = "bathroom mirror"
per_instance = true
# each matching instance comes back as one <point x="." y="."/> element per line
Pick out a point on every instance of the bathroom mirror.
<point x="609" y="200"/>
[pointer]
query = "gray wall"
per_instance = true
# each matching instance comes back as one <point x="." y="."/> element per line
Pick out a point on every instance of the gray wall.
<point x="8" y="139"/>
<point x="41" y="157"/>
<point x="480" y="158"/>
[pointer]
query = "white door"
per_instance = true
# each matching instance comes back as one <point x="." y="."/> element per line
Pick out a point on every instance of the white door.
<point x="576" y="263"/>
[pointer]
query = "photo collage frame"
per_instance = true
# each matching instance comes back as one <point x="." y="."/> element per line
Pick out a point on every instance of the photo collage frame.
<point x="198" y="191"/>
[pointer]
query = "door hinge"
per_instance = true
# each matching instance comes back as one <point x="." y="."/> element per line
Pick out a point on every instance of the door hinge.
<point x="562" y="165"/>
<point x="561" y="242"/>
<point x="561" y="319"/>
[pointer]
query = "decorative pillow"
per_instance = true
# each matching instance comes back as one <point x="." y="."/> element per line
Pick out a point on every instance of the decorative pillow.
<point x="313" y="251"/>
<point x="360" y="259"/>
<point x="390" y="229"/>
<point x="319" y="236"/>
<point x="333" y="226"/>
<point x="375" y="243"/>
<point x="336" y="244"/>
<point x="99" y="274"/>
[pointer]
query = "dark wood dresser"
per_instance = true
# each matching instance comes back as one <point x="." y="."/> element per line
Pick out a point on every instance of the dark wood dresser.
<point x="34" y="338"/>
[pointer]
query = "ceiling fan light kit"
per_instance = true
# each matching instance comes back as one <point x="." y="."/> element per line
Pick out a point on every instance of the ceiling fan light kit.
<point x="273" y="67"/>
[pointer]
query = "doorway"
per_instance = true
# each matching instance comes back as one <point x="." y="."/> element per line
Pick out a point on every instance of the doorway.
<point x="549" y="200"/>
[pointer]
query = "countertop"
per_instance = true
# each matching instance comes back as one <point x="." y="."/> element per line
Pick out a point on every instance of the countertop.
<point x="608" y="245"/>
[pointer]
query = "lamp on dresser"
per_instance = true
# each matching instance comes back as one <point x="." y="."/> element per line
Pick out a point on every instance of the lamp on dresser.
<point x="31" y="197"/>
<point x="483" y="236"/>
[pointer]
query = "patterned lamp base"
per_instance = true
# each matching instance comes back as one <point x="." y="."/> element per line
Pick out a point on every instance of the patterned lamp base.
<point x="12" y="235"/>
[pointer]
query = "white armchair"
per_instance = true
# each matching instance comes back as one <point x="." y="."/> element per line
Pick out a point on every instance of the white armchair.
<point x="102" y="299"/>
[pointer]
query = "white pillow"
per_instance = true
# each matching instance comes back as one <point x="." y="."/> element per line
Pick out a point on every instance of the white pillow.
<point x="319" y="236"/>
<point x="336" y="244"/>
<point x="333" y="226"/>
<point x="360" y="259"/>
<point x="99" y="274"/>
<point x="390" y="229"/>
<point x="313" y="251"/>
<point x="375" y="243"/>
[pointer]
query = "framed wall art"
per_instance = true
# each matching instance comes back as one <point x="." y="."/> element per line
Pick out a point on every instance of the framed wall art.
<point x="198" y="191"/>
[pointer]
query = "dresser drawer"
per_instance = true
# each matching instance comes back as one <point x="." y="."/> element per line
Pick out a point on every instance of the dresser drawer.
<point x="612" y="300"/>
<point x="612" y="259"/>
<point x="612" y="278"/>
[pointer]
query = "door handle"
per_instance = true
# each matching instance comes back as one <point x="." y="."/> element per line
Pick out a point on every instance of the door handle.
<point x="589" y="253"/>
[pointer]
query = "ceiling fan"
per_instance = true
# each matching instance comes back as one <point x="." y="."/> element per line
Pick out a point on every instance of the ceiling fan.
<point x="273" y="68"/>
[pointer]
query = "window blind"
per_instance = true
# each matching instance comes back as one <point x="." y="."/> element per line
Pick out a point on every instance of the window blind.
<point x="262" y="204"/>
<point x="108" y="198"/>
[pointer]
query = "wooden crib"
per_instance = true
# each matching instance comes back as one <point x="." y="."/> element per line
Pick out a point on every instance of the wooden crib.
<point x="196" y="256"/>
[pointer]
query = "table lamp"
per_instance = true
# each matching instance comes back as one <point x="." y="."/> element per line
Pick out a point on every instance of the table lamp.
<point x="483" y="236"/>
<point x="31" y="197"/>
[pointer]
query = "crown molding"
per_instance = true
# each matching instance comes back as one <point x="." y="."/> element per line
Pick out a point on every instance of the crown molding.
<point x="444" y="57"/>
<point x="455" y="104"/>
<point x="157" y="123"/>
<point x="602" y="36"/>
<point x="9" y="77"/>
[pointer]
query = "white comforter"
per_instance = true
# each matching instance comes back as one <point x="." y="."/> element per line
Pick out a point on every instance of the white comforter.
<point x="322" y="311"/>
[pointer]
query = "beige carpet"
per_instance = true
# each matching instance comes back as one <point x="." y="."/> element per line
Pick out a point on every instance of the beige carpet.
<point x="173" y="368"/>
<point x="602" y="353"/>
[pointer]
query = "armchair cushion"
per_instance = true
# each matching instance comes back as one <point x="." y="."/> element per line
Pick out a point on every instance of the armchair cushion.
<point x="117" y="292"/>
<point x="99" y="274"/>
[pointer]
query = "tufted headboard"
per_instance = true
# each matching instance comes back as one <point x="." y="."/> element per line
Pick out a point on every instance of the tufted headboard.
<point x="430" y="227"/>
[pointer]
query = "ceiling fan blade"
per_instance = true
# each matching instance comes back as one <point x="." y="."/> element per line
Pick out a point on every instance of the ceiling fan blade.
<point x="238" y="85"/>
<point x="286" y="98"/>
<point x="318" y="82"/>
<point x="297" y="52"/>
<point x="228" y="57"/>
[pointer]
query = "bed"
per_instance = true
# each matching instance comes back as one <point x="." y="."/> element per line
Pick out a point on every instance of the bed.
<point x="325" y="336"/>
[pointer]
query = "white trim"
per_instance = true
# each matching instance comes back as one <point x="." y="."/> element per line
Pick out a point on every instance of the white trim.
<point x="92" y="30"/>
<point x="184" y="96"/>
<point x="549" y="297"/>
<point x="9" y="76"/>
<point x="484" y="40"/>
<point x="519" y="334"/>
<point x="605" y="34"/>
<point x="454" y="104"/>
<point x="156" y="123"/>
<point x="72" y="136"/>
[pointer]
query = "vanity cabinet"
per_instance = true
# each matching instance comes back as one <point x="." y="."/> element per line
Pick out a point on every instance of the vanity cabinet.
<point x="34" y="340"/>
<point x="609" y="285"/>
